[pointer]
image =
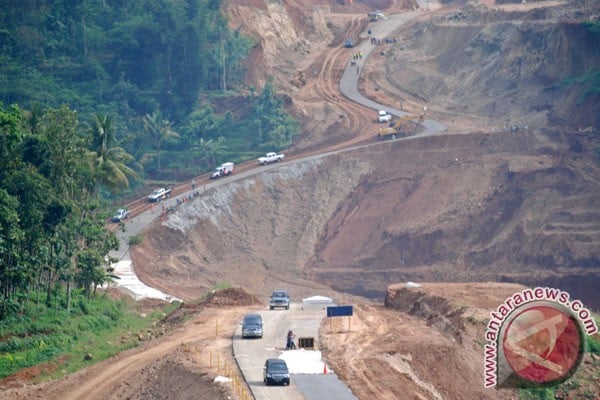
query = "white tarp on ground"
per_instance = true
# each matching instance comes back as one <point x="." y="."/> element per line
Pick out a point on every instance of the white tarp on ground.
<point x="317" y="300"/>
<point x="130" y="282"/>
<point x="304" y="362"/>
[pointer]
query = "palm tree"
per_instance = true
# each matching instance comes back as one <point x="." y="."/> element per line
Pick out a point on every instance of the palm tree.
<point x="110" y="160"/>
<point x="158" y="130"/>
<point x="208" y="150"/>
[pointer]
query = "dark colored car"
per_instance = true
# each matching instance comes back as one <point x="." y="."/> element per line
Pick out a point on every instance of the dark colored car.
<point x="279" y="298"/>
<point x="276" y="372"/>
<point x="252" y="326"/>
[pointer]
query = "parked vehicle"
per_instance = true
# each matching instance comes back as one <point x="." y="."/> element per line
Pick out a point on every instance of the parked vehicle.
<point x="384" y="116"/>
<point x="376" y="15"/>
<point x="403" y="126"/>
<point x="159" y="194"/>
<point x="279" y="298"/>
<point x="224" y="169"/>
<point x="276" y="371"/>
<point x="122" y="213"/>
<point x="270" y="157"/>
<point x="252" y="326"/>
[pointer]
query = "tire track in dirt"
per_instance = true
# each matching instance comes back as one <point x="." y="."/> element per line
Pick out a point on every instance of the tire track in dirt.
<point x="198" y="339"/>
<point x="327" y="84"/>
<point x="358" y="122"/>
<point x="359" y="363"/>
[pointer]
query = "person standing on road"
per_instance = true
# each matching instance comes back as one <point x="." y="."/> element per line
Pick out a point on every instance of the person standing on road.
<point x="290" y="340"/>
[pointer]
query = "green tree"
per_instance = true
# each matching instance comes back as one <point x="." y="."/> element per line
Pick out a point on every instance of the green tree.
<point x="11" y="239"/>
<point x="110" y="160"/>
<point x="209" y="150"/>
<point x="158" y="130"/>
<point x="274" y="124"/>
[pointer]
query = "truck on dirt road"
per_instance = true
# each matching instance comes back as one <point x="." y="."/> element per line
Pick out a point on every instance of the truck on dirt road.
<point x="270" y="157"/>
<point x="224" y="169"/>
<point x="384" y="116"/>
<point x="159" y="194"/>
<point x="403" y="126"/>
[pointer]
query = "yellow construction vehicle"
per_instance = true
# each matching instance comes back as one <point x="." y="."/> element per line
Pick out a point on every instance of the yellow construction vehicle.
<point x="402" y="126"/>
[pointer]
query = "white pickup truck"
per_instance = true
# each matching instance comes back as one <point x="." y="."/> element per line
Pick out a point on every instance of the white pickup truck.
<point x="159" y="194"/>
<point x="384" y="116"/>
<point x="270" y="157"/>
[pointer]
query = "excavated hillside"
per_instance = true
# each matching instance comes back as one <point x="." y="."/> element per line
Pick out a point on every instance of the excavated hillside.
<point x="510" y="196"/>
<point x="509" y="193"/>
<point x="517" y="65"/>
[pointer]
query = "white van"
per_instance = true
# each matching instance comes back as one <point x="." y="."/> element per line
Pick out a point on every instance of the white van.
<point x="224" y="169"/>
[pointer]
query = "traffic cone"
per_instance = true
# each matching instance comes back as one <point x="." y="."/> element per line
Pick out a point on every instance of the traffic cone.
<point x="324" y="369"/>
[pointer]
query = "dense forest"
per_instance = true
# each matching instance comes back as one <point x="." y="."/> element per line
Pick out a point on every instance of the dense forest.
<point x="96" y="97"/>
<point x="52" y="228"/>
<point x="172" y="61"/>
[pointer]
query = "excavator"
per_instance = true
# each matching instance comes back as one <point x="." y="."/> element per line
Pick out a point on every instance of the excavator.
<point x="403" y="126"/>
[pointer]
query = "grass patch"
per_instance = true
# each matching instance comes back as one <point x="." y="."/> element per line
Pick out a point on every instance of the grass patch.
<point x="66" y="342"/>
<point x="135" y="239"/>
<point x="537" y="394"/>
<point x="221" y="286"/>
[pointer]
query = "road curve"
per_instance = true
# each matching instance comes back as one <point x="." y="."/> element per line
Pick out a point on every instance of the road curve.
<point x="251" y="354"/>
<point x="350" y="77"/>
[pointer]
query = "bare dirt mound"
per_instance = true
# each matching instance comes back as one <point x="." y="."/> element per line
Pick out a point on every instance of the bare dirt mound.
<point x="529" y="66"/>
<point x="470" y="207"/>
<point x="406" y="343"/>
<point x="427" y="343"/>
<point x="231" y="297"/>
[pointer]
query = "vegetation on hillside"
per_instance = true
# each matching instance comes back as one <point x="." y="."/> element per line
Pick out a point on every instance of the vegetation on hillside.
<point x="147" y="79"/>
<point x="45" y="336"/>
<point x="136" y="56"/>
<point x="53" y="237"/>
<point x="134" y="61"/>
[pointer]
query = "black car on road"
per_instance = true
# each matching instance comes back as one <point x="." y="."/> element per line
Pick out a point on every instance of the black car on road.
<point x="276" y="372"/>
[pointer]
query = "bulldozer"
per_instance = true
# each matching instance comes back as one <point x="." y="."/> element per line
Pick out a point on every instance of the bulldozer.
<point x="403" y="126"/>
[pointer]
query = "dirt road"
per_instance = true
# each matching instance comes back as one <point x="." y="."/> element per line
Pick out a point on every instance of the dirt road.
<point x="178" y="366"/>
<point x="435" y="198"/>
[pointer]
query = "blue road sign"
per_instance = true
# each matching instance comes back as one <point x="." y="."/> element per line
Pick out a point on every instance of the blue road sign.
<point x="339" y="311"/>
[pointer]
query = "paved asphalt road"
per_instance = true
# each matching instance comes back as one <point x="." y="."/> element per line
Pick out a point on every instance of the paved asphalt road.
<point x="349" y="82"/>
<point x="251" y="354"/>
